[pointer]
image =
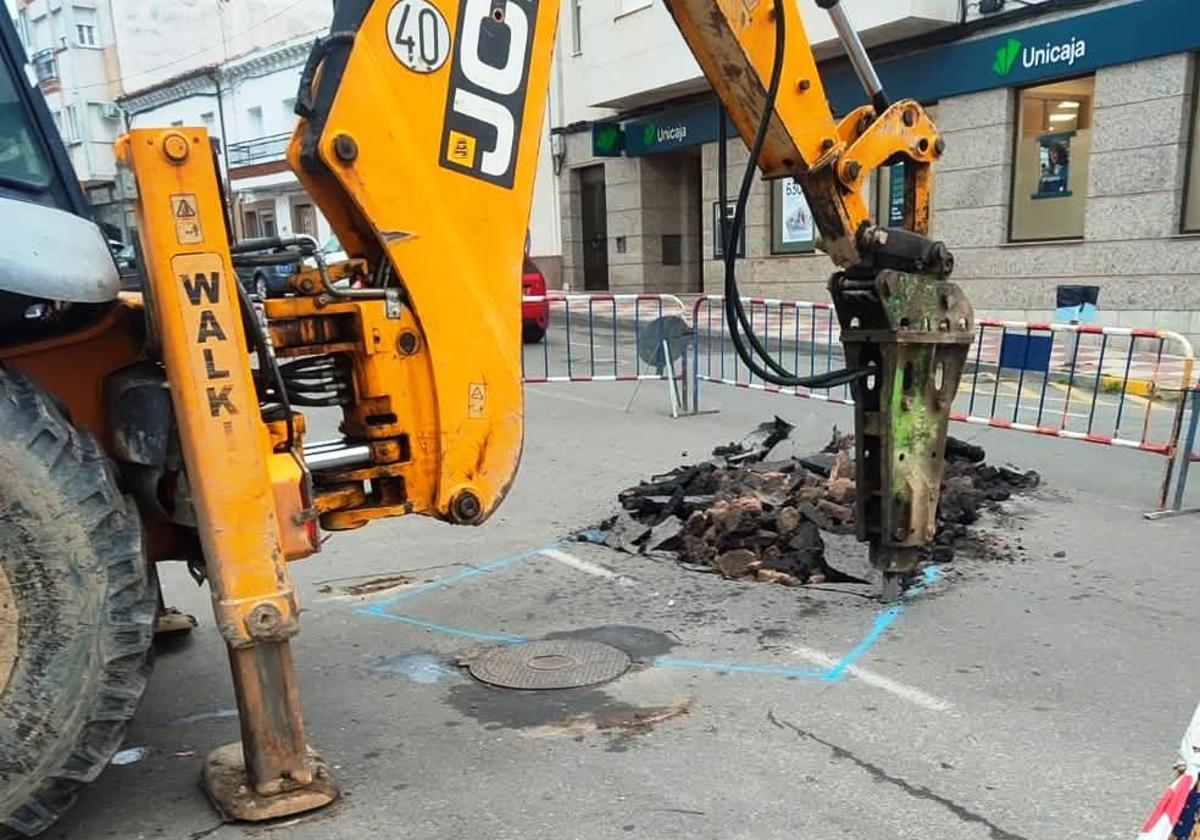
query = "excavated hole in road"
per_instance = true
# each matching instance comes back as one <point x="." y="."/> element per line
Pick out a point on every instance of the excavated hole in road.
<point x="754" y="511"/>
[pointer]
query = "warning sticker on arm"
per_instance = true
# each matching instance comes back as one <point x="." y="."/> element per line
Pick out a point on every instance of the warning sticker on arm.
<point x="187" y="219"/>
<point x="476" y="400"/>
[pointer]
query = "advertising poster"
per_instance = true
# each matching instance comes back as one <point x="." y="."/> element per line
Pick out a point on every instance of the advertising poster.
<point x="793" y="230"/>
<point x="797" y="220"/>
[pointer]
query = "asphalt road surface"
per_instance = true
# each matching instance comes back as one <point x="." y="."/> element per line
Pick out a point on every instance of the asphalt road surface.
<point x="1035" y="690"/>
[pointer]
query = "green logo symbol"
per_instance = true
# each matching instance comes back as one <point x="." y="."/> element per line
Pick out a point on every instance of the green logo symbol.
<point x="1006" y="57"/>
<point x="606" y="138"/>
<point x="650" y="134"/>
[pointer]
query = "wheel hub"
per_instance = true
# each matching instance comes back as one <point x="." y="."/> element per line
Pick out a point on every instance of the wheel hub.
<point x="10" y="630"/>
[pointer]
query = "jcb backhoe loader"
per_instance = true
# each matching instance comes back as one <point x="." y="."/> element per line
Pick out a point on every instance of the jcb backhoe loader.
<point x="166" y="424"/>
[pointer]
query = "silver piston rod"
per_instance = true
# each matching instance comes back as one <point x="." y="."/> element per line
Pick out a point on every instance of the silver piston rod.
<point x="857" y="53"/>
<point x="335" y="454"/>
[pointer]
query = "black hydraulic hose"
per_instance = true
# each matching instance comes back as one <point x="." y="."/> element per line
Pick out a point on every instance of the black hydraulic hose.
<point x="267" y="361"/>
<point x="735" y="312"/>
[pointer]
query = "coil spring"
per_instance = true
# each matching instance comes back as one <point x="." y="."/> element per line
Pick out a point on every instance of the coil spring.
<point x="318" y="381"/>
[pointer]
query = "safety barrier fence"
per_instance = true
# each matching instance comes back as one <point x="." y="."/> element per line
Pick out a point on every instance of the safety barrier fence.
<point x="1113" y="386"/>
<point x="608" y="338"/>
<point x="1190" y="455"/>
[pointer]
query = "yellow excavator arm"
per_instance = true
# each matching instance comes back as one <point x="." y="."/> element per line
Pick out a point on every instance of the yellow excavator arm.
<point x="418" y="137"/>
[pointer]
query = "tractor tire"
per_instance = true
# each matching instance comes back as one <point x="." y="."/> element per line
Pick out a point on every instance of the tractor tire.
<point x="77" y="605"/>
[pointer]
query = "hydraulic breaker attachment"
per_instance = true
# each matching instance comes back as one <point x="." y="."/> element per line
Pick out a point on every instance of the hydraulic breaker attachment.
<point x="914" y="331"/>
<point x="247" y="488"/>
<point x="905" y="329"/>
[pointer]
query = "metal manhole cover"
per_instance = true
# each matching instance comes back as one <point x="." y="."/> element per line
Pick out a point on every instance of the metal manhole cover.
<point x="550" y="664"/>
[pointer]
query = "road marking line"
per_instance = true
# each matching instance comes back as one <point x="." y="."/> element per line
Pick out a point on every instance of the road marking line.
<point x="554" y="395"/>
<point x="586" y="567"/>
<point x="905" y="692"/>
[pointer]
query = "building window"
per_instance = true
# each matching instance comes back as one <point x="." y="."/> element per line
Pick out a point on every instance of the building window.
<point x="23" y="31"/>
<point x="576" y="26"/>
<point x="250" y="224"/>
<point x="45" y="67"/>
<point x="254" y="122"/>
<point x="71" y="124"/>
<point x="1050" y="166"/>
<point x="86" y="30"/>
<point x="304" y="219"/>
<point x="1191" y="206"/>
<point x="792" y="230"/>
<point x="99" y="122"/>
<point x="210" y="122"/>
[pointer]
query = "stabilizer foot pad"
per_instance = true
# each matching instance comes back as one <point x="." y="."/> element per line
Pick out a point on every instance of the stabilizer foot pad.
<point x="234" y="798"/>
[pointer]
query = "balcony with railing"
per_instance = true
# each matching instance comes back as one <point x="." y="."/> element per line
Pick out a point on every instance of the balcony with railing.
<point x="45" y="68"/>
<point x="259" y="150"/>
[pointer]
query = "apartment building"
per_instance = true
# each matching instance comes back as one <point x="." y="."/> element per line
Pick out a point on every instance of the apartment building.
<point x="89" y="55"/>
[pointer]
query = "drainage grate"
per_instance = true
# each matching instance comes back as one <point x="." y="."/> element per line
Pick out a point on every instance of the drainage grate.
<point x="550" y="664"/>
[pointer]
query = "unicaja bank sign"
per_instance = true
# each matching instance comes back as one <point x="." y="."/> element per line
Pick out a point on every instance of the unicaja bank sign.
<point x="1038" y="56"/>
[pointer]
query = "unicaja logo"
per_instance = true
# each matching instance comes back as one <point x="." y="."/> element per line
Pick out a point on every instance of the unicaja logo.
<point x="1066" y="53"/>
<point x="653" y="134"/>
<point x="650" y="134"/>
<point x="1006" y="57"/>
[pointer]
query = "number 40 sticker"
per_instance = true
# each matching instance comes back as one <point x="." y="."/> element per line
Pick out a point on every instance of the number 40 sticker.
<point x="418" y="35"/>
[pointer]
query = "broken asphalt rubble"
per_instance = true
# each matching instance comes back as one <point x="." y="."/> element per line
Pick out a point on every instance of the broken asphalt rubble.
<point x="751" y="513"/>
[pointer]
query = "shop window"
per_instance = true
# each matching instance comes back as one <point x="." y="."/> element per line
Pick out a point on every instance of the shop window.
<point x="1191" y="207"/>
<point x="1050" y="166"/>
<point x="888" y="192"/>
<point x="792" y="227"/>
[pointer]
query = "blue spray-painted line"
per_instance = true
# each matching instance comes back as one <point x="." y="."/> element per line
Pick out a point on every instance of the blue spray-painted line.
<point x="378" y="607"/>
<point x="929" y="576"/>
<point x="447" y="629"/>
<point x="882" y="622"/>
<point x="381" y="609"/>
<point x="776" y="670"/>
<point x="879" y="627"/>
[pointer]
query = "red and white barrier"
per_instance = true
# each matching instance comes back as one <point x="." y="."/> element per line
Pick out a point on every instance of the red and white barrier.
<point x="606" y="337"/>
<point x="1078" y="382"/>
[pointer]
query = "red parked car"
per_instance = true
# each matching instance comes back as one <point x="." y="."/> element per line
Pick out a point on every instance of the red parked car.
<point x="535" y="315"/>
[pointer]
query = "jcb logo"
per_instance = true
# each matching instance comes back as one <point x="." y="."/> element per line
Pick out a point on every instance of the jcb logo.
<point x="486" y="102"/>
